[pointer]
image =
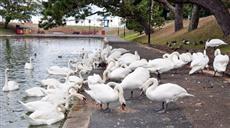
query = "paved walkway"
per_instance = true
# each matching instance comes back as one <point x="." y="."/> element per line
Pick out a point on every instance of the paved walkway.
<point x="210" y="107"/>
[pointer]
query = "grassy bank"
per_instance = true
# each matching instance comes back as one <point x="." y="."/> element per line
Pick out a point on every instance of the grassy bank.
<point x="208" y="29"/>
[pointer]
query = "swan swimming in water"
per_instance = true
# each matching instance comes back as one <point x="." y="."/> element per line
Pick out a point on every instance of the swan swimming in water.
<point x="220" y="62"/>
<point x="29" y="65"/>
<point x="47" y="116"/>
<point x="56" y="70"/>
<point x="9" y="85"/>
<point x="164" y="93"/>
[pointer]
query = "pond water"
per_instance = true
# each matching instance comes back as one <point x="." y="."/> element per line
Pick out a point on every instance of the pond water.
<point x="14" y="53"/>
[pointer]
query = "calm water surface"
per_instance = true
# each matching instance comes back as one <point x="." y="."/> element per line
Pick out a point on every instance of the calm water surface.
<point x="14" y="53"/>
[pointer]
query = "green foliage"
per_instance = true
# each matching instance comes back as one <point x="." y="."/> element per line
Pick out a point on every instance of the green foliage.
<point x="17" y="10"/>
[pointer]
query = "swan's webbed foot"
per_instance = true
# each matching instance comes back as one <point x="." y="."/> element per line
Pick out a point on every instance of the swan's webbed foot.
<point x="163" y="108"/>
<point x="158" y="75"/>
<point x="107" y="110"/>
<point x="214" y="74"/>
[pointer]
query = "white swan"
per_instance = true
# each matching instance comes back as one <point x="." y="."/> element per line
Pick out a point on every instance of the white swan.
<point x="50" y="82"/>
<point x="36" y="105"/>
<point x="135" y="79"/>
<point x="9" y="85"/>
<point x="199" y="62"/>
<point x="103" y="93"/>
<point x="56" y="70"/>
<point x="47" y="116"/>
<point x="128" y="58"/>
<point x="35" y="91"/>
<point x="186" y="57"/>
<point x="94" y="79"/>
<point x="214" y="43"/>
<point x="138" y="63"/>
<point x="164" y="93"/>
<point x="160" y="65"/>
<point x="115" y="54"/>
<point x="116" y="74"/>
<point x="29" y="65"/>
<point x="220" y="62"/>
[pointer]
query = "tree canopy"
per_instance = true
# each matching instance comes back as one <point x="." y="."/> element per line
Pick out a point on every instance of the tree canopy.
<point x="21" y="10"/>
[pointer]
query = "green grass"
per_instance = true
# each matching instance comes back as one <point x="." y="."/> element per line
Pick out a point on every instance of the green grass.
<point x="4" y="31"/>
<point x="206" y="31"/>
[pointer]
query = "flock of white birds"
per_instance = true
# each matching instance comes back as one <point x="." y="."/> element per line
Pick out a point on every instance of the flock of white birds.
<point x="132" y="72"/>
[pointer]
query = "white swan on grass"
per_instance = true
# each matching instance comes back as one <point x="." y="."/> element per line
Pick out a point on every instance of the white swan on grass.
<point x="103" y="93"/>
<point x="29" y="65"/>
<point x="9" y="85"/>
<point x="199" y="62"/>
<point x="220" y="62"/>
<point x="214" y="43"/>
<point x="164" y="93"/>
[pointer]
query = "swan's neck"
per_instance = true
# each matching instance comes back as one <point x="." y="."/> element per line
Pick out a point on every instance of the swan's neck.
<point x="80" y="74"/>
<point x="150" y="81"/>
<point x="105" y="75"/>
<point x="118" y="89"/>
<point x="30" y="60"/>
<point x="6" y="78"/>
<point x="69" y="64"/>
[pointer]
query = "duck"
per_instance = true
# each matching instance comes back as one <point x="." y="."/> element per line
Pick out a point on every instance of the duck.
<point x="46" y="116"/>
<point x="164" y="93"/>
<point x="9" y="85"/>
<point x="29" y="65"/>
<point x="220" y="62"/>
<point x="214" y="43"/>
<point x="105" y="94"/>
<point x="56" y="70"/>
<point x="199" y="62"/>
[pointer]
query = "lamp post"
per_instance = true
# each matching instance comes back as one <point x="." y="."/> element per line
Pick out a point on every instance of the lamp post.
<point x="150" y="12"/>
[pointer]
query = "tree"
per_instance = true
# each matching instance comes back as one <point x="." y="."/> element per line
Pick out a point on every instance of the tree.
<point x="57" y="11"/>
<point x="217" y="8"/>
<point x="17" y="10"/>
<point x="177" y="11"/>
<point x="194" y="21"/>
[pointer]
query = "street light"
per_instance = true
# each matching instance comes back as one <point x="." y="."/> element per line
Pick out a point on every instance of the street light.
<point x="150" y="12"/>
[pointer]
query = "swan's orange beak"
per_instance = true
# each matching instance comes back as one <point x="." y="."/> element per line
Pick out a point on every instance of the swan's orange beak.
<point x="123" y="105"/>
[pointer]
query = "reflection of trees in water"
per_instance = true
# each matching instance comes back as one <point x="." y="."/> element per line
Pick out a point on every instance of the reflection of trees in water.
<point x="8" y="51"/>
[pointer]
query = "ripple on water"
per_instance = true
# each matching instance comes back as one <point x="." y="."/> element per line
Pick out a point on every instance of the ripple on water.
<point x="14" y="53"/>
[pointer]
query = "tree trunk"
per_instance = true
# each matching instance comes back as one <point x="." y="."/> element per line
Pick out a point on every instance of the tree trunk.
<point x="178" y="17"/>
<point x="217" y="8"/>
<point x="193" y="24"/>
<point x="145" y="24"/>
<point x="6" y="23"/>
